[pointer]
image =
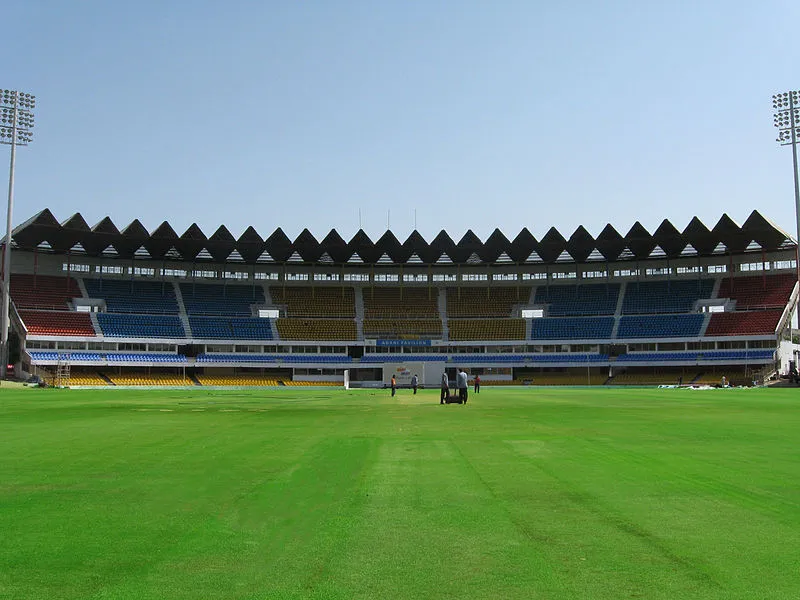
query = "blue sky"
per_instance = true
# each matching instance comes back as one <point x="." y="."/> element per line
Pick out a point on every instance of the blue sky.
<point x="473" y="115"/>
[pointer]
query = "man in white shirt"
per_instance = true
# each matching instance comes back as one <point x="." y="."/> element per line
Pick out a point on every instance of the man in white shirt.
<point x="461" y="384"/>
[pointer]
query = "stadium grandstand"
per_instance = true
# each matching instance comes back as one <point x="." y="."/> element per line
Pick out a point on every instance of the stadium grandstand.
<point x="132" y="307"/>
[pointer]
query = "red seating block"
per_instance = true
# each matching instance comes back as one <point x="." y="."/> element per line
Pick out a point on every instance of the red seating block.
<point x="39" y="322"/>
<point x="744" y="323"/>
<point x="43" y="291"/>
<point x="770" y="291"/>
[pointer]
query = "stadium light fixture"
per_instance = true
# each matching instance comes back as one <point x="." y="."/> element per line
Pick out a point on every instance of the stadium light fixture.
<point x="16" y="129"/>
<point x="787" y="120"/>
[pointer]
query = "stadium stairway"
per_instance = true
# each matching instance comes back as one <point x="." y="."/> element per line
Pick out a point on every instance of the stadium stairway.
<point x="273" y="326"/>
<point x="618" y="312"/>
<point x="267" y="295"/>
<point x="187" y="329"/>
<point x="358" y="300"/>
<point x="82" y="287"/>
<point x="93" y="318"/>
<point x="704" y="326"/>
<point x="105" y="378"/>
<point x="623" y="288"/>
<point x="442" y="301"/>
<point x="717" y="286"/>
<point x="615" y="328"/>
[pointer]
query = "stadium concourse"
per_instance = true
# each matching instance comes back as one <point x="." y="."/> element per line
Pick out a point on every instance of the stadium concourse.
<point x="100" y="306"/>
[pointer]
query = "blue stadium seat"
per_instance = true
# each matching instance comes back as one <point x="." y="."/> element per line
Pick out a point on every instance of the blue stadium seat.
<point x="141" y="326"/>
<point x="660" y="297"/>
<point x="250" y="328"/>
<point x="274" y="358"/>
<point x="223" y="300"/>
<point x="380" y="358"/>
<point x="579" y="300"/>
<point x="660" y="326"/>
<point x="134" y="296"/>
<point x="571" y="328"/>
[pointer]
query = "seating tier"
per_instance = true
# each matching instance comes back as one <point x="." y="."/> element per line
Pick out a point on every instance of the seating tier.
<point x="273" y="358"/>
<point x="694" y="356"/>
<point x="253" y="328"/>
<point x="240" y="379"/>
<point x="386" y="357"/>
<point x="316" y="302"/>
<point x="57" y="323"/>
<point x="656" y="326"/>
<point x="744" y="323"/>
<point x="571" y="328"/>
<point x="141" y="326"/>
<point x="659" y="297"/>
<point x="485" y="301"/>
<point x="569" y="378"/>
<point x="133" y="296"/>
<point x="86" y="379"/>
<point x="154" y="379"/>
<point x="316" y="329"/>
<point x="408" y="303"/>
<point x="579" y="300"/>
<point x="766" y="291"/>
<point x="486" y="329"/>
<point x="43" y="291"/>
<point x="216" y="299"/>
<point x="392" y="328"/>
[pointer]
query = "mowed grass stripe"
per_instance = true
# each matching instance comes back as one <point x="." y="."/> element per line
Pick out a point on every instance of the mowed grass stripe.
<point x="581" y="534"/>
<point x="534" y="493"/>
<point x="431" y="527"/>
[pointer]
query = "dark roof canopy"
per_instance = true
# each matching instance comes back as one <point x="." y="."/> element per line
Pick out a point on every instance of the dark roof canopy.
<point x="44" y="232"/>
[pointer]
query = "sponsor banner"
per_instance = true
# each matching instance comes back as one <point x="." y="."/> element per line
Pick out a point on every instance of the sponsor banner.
<point x="403" y="342"/>
<point x="403" y="372"/>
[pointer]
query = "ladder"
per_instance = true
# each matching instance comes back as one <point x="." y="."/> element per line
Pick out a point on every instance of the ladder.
<point x="62" y="371"/>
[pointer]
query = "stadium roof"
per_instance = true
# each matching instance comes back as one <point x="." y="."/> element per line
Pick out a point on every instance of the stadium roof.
<point x="74" y="236"/>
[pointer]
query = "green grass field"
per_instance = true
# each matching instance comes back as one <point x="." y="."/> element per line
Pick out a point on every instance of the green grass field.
<point x="322" y="493"/>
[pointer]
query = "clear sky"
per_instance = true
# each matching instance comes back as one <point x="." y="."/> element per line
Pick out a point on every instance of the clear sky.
<point x="473" y="115"/>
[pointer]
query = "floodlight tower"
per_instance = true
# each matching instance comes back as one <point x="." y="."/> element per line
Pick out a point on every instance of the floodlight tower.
<point x="16" y="129"/>
<point x="787" y="121"/>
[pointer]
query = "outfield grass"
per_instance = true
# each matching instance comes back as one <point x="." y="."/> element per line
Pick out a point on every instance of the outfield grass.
<point x="322" y="493"/>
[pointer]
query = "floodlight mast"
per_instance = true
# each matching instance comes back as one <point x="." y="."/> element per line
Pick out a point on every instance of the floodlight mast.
<point x="787" y="118"/>
<point x="16" y="125"/>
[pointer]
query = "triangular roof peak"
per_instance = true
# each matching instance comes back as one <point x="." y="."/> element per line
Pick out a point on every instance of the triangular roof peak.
<point x="76" y="221"/>
<point x="222" y="235"/>
<point x="106" y="226"/>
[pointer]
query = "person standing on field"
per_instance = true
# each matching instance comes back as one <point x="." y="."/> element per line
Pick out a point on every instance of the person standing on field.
<point x="414" y="383"/>
<point x="394" y="385"/>
<point x="445" y="388"/>
<point x="461" y="384"/>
